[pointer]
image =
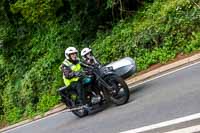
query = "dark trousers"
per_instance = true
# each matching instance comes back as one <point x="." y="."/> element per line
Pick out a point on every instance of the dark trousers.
<point x="78" y="86"/>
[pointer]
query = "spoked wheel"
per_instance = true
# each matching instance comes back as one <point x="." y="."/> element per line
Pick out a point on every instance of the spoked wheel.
<point x="120" y="93"/>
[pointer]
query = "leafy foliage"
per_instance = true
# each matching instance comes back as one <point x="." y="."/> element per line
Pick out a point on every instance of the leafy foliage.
<point x="35" y="11"/>
<point x="155" y="34"/>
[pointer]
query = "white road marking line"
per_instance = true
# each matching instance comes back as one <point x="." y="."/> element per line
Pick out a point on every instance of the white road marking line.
<point x="35" y="121"/>
<point x="186" y="130"/>
<point x="162" y="75"/>
<point x="164" y="124"/>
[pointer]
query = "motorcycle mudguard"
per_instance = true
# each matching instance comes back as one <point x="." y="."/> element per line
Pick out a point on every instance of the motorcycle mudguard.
<point x="124" y="67"/>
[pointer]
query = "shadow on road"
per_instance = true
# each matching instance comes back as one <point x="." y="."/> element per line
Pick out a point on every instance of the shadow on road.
<point x="140" y="91"/>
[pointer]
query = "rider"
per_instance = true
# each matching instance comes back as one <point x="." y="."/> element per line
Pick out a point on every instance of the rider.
<point x="71" y="69"/>
<point x="88" y="57"/>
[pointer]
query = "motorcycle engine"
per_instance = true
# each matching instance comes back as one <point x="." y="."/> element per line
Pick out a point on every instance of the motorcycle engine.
<point x="95" y="99"/>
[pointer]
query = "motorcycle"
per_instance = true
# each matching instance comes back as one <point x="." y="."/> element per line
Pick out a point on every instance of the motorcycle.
<point x="102" y="86"/>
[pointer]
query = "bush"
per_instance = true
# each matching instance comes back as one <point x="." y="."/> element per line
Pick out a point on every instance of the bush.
<point x="31" y="76"/>
<point x="37" y="11"/>
<point x="155" y="34"/>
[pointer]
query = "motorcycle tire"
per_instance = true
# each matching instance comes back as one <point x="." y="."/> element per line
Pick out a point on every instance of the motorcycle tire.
<point x="116" y="82"/>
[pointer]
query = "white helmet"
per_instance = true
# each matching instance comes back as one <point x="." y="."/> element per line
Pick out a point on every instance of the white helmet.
<point x="70" y="50"/>
<point x="85" y="51"/>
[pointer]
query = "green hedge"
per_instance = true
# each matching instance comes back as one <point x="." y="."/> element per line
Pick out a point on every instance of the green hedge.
<point x="31" y="77"/>
<point x="155" y="34"/>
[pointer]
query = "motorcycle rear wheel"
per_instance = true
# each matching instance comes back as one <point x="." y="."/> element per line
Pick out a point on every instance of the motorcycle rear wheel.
<point x="79" y="112"/>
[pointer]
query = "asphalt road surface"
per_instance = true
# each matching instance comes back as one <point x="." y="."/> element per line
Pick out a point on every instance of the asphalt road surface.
<point x="166" y="98"/>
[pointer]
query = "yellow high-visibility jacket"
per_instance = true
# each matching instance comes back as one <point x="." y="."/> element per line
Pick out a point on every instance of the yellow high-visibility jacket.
<point x="74" y="68"/>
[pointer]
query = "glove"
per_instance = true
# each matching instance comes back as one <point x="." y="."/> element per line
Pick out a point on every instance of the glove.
<point x="89" y="72"/>
<point x="77" y="74"/>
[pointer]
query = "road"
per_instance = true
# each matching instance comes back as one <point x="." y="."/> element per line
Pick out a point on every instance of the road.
<point x="166" y="98"/>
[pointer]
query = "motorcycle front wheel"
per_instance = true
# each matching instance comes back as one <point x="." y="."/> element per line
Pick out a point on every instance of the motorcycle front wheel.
<point x="119" y="94"/>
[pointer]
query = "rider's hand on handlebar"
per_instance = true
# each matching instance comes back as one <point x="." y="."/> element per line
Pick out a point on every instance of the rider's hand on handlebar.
<point x="89" y="72"/>
<point x="78" y="74"/>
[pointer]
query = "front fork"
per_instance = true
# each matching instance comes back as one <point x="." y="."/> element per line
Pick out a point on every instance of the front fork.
<point x="103" y="83"/>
